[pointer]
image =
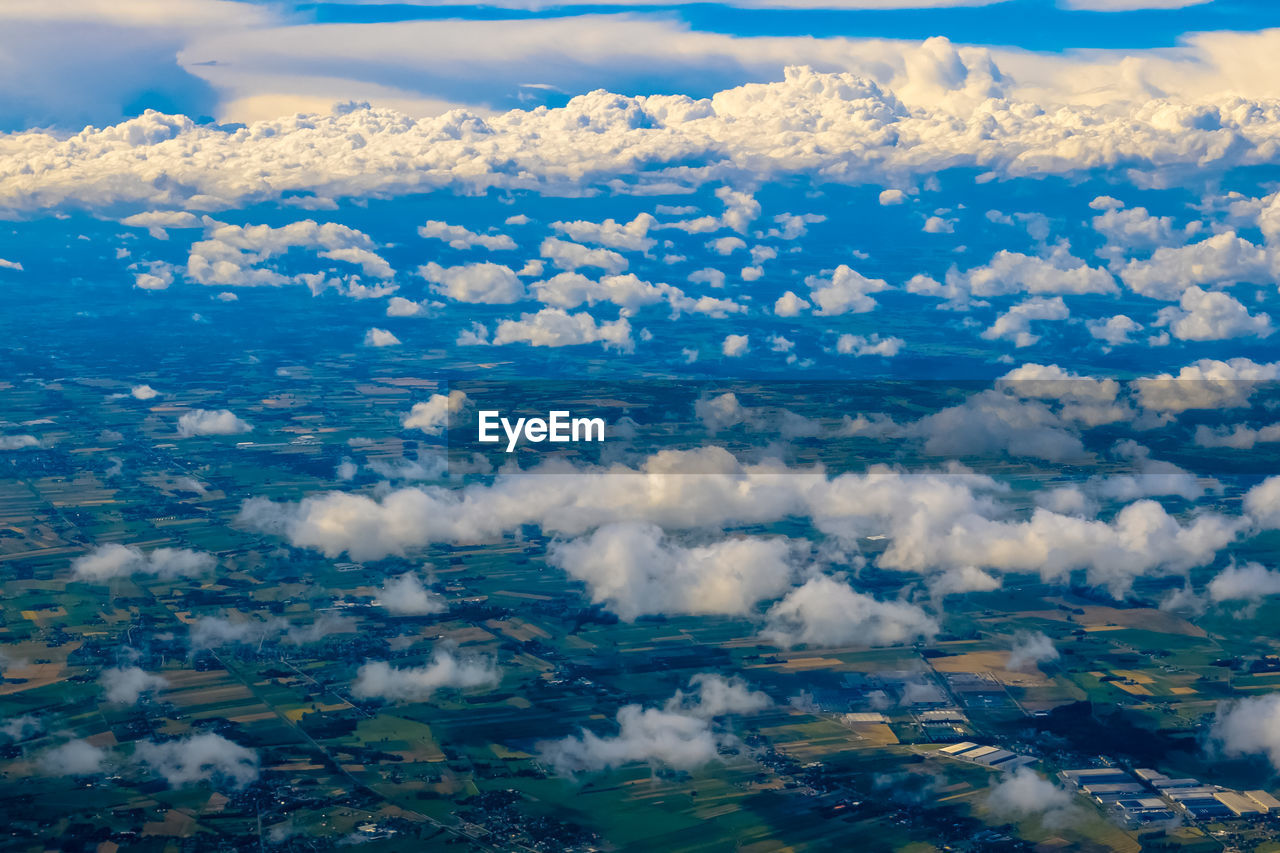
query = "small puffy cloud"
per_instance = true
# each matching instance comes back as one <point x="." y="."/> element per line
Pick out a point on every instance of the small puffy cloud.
<point x="727" y="245"/>
<point x="570" y="256"/>
<point x="555" y="327"/>
<point x="157" y="221"/>
<point x="873" y="344"/>
<point x="114" y="560"/>
<point x="1221" y="259"/>
<point x="628" y="292"/>
<point x="74" y="758"/>
<point x="199" y="758"/>
<point x="1025" y="793"/>
<point x="22" y="727"/>
<point x="380" y="338"/>
<point x="892" y="197"/>
<point x="1249" y="582"/>
<point x="708" y="276"/>
<point x="792" y="226"/>
<point x="1030" y="649"/>
<point x="679" y="734"/>
<point x="1249" y="726"/>
<point x="18" y="442"/>
<point x="406" y="596"/>
<point x="826" y="612"/>
<point x="211" y="422"/>
<point x="481" y="283"/>
<point x="1212" y="316"/>
<point x="1113" y="331"/>
<point x="125" y="685"/>
<point x="790" y="305"/>
<point x="1009" y="273"/>
<point x="631" y="236"/>
<point x="143" y="392"/>
<point x="1015" y="324"/>
<point x="961" y="580"/>
<point x="158" y="276"/>
<point x="1262" y="503"/>
<point x="398" y="306"/>
<point x="432" y="415"/>
<point x="845" y="291"/>
<point x="634" y="570"/>
<point x="735" y="346"/>
<point x="1239" y="437"/>
<point x="1206" y="384"/>
<point x="380" y="680"/>
<point x="939" y="225"/>
<point x="459" y="237"/>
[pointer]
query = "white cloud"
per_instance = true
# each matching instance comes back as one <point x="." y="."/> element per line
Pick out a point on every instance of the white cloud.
<point x="1249" y="582"/>
<point x="1015" y="324"/>
<point x="199" y="758"/>
<point x="635" y="570"/>
<point x="678" y="734"/>
<point x="554" y="327"/>
<point x="125" y="685"/>
<point x="735" y="346"/>
<point x="1114" y="331"/>
<point x="892" y="197"/>
<point x="459" y="237"/>
<point x="375" y="337"/>
<point x="143" y="392"/>
<point x="483" y="283"/>
<point x="1262" y="503"/>
<point x="1224" y="258"/>
<point x="873" y="344"/>
<point x="1212" y="316"/>
<point x="74" y="758"/>
<point x="380" y="680"/>
<point x="631" y="236"/>
<point x="1240" y="437"/>
<point x="571" y="256"/>
<point x="1025" y="793"/>
<point x="234" y="255"/>
<point x="406" y="596"/>
<point x="846" y="291"/>
<point x="114" y="561"/>
<point x="1008" y="273"/>
<point x="432" y="415"/>
<point x="18" y="442"/>
<point x="790" y="305"/>
<point x="1030" y="649"/>
<point x="1205" y="384"/>
<point x="1249" y="726"/>
<point x="827" y="612"/>
<point x="211" y="422"/>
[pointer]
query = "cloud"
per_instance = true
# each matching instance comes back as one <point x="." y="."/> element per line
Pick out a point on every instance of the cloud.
<point x="459" y="237"/>
<point x="678" y="735"/>
<point x="378" y="338"/>
<point x="211" y="422"/>
<point x="1249" y="726"/>
<point x="846" y="291"/>
<point x="74" y="758"/>
<point x="1025" y="793"/>
<point x="432" y="416"/>
<point x="1009" y="273"/>
<point x="143" y="392"/>
<point x="1239" y="437"/>
<point x="199" y="758"/>
<point x="406" y="596"/>
<point x="1114" y="331"/>
<point x="18" y="442"/>
<point x="1205" y="384"/>
<point x="114" y="561"/>
<point x="555" y="327"/>
<point x="873" y="344"/>
<point x="1015" y="324"/>
<point x="1212" y="316"/>
<point x="826" y="612"/>
<point x="634" y="569"/>
<point x="234" y="255"/>
<point x="1030" y="649"/>
<point x="125" y="685"/>
<point x="22" y="727"/>
<point x="571" y="256"/>
<point x="1224" y="258"/>
<point x="480" y="283"/>
<point x="1250" y="582"/>
<point x="1262" y="503"/>
<point x="380" y="680"/>
<point x="631" y="236"/>
<point x="735" y="346"/>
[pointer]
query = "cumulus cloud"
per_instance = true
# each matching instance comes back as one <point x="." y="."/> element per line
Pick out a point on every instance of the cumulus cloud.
<point x="481" y="283"/>
<point x="570" y="256"/>
<point x="199" y="758"/>
<point x="1239" y="436"/>
<point x="211" y="422"/>
<point x="125" y="685"/>
<point x="432" y="415"/>
<point x="1030" y="649"/>
<point x="459" y="237"/>
<point x="555" y="327"/>
<point x="114" y="561"/>
<point x="238" y="256"/>
<point x="1212" y="316"/>
<point x="1249" y="582"/>
<point x="634" y="569"/>
<point x="74" y="758"/>
<point x="1025" y="793"/>
<point x="1015" y="324"/>
<point x="735" y="346"/>
<point x="826" y="612"/>
<point x="1224" y="258"/>
<point x="1009" y="273"/>
<point x="680" y="734"/>
<point x="18" y="442"/>
<point x="380" y="680"/>
<point x="380" y="338"/>
<point x="406" y="596"/>
<point x="846" y="291"/>
<point x="631" y="236"/>
<point x="873" y="344"/>
<point x="1262" y="503"/>
<point x="1205" y="384"/>
<point x="143" y="392"/>
<point x="1249" y="726"/>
